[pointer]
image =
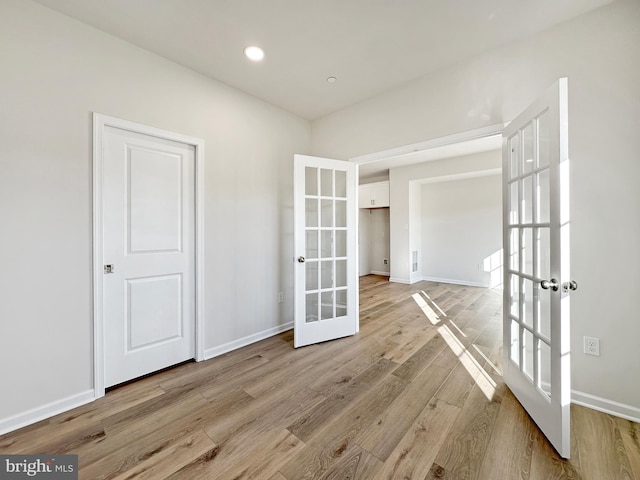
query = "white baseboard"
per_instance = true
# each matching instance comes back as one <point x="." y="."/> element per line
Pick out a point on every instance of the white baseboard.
<point x="456" y="282"/>
<point x="399" y="280"/>
<point x="604" y="405"/>
<point x="45" y="411"/>
<point x="379" y="272"/>
<point x="248" y="340"/>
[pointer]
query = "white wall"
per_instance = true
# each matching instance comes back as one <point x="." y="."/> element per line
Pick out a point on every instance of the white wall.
<point x="462" y="231"/>
<point x="379" y="241"/>
<point x="55" y="72"/>
<point x="364" y="241"/>
<point x="406" y="197"/>
<point x="374" y="241"/>
<point x="415" y="231"/>
<point x="600" y="53"/>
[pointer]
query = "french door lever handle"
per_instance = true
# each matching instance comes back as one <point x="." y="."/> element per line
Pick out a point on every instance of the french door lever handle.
<point x="301" y="259"/>
<point x="550" y="284"/>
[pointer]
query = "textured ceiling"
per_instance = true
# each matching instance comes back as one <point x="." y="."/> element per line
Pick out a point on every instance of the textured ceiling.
<point x="370" y="45"/>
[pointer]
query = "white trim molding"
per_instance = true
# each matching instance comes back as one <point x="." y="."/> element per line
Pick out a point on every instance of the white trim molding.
<point x="379" y="272"/>
<point x="45" y="411"/>
<point x="248" y="340"/>
<point x="100" y="122"/>
<point x="605" y="405"/>
<point x="460" y="176"/>
<point x="429" y="144"/>
<point x="456" y="282"/>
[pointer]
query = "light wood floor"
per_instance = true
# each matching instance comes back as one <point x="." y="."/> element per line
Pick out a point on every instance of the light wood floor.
<point x="417" y="394"/>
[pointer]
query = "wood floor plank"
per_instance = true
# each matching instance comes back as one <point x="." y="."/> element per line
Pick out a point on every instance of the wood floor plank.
<point x="410" y="339"/>
<point x="413" y="456"/>
<point x="458" y="386"/>
<point x="160" y="462"/>
<point x="178" y="417"/>
<point x="263" y="461"/>
<point x="306" y="427"/>
<point x="469" y="369"/>
<point x="437" y="472"/>
<point x="292" y="375"/>
<point x="339" y="374"/>
<point x="510" y="449"/>
<point x="242" y="459"/>
<point x="630" y="433"/>
<point x="328" y="446"/>
<point x="600" y="444"/>
<point x="277" y="476"/>
<point x="464" y="449"/>
<point x="332" y="463"/>
<point x="249" y="377"/>
<point x="276" y="410"/>
<point x="414" y="365"/>
<point x="45" y="440"/>
<point x="360" y="414"/>
<point x="546" y="464"/>
<point x="86" y="418"/>
<point x="382" y="436"/>
<point x="356" y="464"/>
<point x="201" y="378"/>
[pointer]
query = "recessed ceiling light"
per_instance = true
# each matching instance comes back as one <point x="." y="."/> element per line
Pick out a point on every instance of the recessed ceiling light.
<point x="331" y="79"/>
<point x="254" y="53"/>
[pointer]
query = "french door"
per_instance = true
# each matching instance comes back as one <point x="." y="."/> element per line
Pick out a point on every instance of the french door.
<point x="537" y="279"/>
<point x="326" y="280"/>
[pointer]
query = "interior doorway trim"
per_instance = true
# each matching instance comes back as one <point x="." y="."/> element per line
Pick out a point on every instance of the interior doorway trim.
<point x="429" y="144"/>
<point x="100" y="123"/>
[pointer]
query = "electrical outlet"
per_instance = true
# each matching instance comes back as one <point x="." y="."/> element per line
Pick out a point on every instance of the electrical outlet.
<point x="280" y="297"/>
<point x="592" y="346"/>
<point x="385" y="261"/>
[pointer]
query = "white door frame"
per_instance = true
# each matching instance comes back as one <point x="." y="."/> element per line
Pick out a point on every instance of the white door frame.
<point x="100" y="123"/>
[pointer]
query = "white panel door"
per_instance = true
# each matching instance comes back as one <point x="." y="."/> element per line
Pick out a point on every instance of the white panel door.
<point x="149" y="246"/>
<point x="326" y="279"/>
<point x="537" y="279"/>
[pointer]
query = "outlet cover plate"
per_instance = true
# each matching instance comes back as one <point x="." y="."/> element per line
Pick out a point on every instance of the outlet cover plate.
<point x="592" y="346"/>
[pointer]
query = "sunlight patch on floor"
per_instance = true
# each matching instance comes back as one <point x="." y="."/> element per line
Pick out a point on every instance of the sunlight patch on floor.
<point x="426" y="309"/>
<point x="468" y="361"/>
<point x="451" y="337"/>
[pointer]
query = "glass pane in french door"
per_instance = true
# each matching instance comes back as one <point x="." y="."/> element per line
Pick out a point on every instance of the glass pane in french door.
<point x="528" y="254"/>
<point x="325" y="244"/>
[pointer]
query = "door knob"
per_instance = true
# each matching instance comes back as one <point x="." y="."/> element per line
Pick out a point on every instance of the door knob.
<point x="550" y="284"/>
<point x="570" y="285"/>
<point x="301" y="259"/>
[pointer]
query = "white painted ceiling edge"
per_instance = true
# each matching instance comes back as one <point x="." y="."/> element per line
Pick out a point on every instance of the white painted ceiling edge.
<point x="369" y="46"/>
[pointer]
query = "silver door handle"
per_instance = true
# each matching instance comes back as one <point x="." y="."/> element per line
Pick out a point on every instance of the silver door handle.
<point x="570" y="285"/>
<point x="550" y="284"/>
<point x="300" y="259"/>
